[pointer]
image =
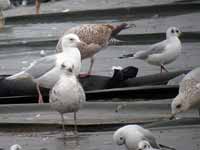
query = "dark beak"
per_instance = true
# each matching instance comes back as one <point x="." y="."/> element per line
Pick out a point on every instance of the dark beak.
<point x="172" y="117"/>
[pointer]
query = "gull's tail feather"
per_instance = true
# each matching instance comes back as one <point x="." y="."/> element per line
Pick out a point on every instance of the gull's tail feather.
<point x="20" y="75"/>
<point x="127" y="56"/>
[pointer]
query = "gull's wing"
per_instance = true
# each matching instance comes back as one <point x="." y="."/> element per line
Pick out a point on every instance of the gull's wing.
<point x="191" y="80"/>
<point x="154" y="49"/>
<point x="98" y="34"/>
<point x="194" y="74"/>
<point x="42" y="66"/>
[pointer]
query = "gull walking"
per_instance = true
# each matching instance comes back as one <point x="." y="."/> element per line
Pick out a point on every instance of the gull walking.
<point x="94" y="38"/>
<point x="189" y="93"/>
<point x="67" y="95"/>
<point x="135" y="137"/>
<point x="45" y="72"/>
<point x="162" y="53"/>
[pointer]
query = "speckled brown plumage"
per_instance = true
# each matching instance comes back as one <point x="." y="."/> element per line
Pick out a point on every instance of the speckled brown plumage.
<point x="189" y="93"/>
<point x="94" y="37"/>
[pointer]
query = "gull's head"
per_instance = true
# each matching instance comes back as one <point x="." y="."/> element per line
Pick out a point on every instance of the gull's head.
<point x="179" y="104"/>
<point x="144" y="145"/>
<point x="70" y="40"/>
<point x="173" y="32"/>
<point x="15" y="147"/>
<point x="67" y="68"/>
<point x="118" y="137"/>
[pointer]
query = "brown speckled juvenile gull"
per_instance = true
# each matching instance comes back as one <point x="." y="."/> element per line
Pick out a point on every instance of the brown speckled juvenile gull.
<point x="94" y="37"/>
<point x="189" y="93"/>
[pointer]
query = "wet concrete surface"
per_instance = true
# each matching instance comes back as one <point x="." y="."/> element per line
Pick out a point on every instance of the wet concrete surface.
<point x="24" y="124"/>
<point x="179" y="137"/>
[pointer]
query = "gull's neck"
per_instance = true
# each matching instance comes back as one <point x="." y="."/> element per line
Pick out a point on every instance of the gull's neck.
<point x="172" y="37"/>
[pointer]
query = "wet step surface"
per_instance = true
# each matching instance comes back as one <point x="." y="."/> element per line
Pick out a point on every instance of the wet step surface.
<point x="14" y="60"/>
<point x="179" y="137"/>
<point x="92" y="113"/>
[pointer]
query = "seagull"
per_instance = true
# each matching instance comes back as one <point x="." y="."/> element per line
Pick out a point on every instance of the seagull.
<point x="4" y="4"/>
<point x="67" y="95"/>
<point x="94" y="38"/>
<point x="45" y="71"/>
<point x="189" y="93"/>
<point x="15" y="147"/>
<point x="163" y="52"/>
<point x="134" y="137"/>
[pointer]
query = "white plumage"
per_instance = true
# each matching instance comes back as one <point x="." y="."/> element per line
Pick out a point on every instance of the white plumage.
<point x="189" y="93"/>
<point x="67" y="95"/>
<point x="46" y="71"/>
<point x="132" y="135"/>
<point x="15" y="147"/>
<point x="4" y="4"/>
<point x="162" y="53"/>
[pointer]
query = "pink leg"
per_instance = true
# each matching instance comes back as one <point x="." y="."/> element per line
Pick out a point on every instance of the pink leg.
<point x="40" y="98"/>
<point x="83" y="75"/>
<point x="37" y="6"/>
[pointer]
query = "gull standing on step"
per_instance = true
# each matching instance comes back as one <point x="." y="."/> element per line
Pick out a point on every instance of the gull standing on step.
<point x="67" y="95"/>
<point x="95" y="37"/>
<point x="162" y="53"/>
<point x="45" y="72"/>
<point x="189" y="93"/>
<point x="135" y="137"/>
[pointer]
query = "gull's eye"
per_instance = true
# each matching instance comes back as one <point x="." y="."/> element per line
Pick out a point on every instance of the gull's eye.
<point x="178" y="106"/>
<point x="121" y="138"/>
<point x="63" y="65"/>
<point x="70" y="69"/>
<point x="177" y="31"/>
<point x="71" y="39"/>
<point x="172" y="31"/>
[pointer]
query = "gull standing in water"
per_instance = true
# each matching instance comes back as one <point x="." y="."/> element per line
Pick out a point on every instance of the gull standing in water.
<point x="94" y="38"/>
<point x="135" y="137"/>
<point x="189" y="93"/>
<point x="161" y="53"/>
<point x="45" y="72"/>
<point x="67" y="95"/>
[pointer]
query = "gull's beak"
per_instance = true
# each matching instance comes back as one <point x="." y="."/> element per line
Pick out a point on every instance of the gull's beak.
<point x="172" y="116"/>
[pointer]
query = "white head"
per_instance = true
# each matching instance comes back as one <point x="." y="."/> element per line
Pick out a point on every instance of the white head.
<point x="15" y="147"/>
<point x="144" y="145"/>
<point x="173" y="31"/>
<point x="179" y="104"/>
<point x="70" y="40"/>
